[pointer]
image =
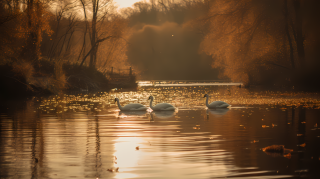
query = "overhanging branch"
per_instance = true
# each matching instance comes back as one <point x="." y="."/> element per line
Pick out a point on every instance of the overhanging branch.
<point x="93" y="47"/>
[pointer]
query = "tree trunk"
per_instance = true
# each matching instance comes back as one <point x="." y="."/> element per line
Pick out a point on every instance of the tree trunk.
<point x="30" y="49"/>
<point x="288" y="33"/>
<point x="93" y="55"/>
<point x="299" y="33"/>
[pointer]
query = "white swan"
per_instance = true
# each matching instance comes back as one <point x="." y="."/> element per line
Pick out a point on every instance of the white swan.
<point x="131" y="107"/>
<point x="216" y="104"/>
<point x="161" y="106"/>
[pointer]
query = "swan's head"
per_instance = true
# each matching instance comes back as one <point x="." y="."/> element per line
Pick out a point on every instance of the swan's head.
<point x="206" y="95"/>
<point x="150" y="97"/>
<point x="116" y="99"/>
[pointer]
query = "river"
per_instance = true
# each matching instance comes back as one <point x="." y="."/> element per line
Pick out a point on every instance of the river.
<point x="86" y="136"/>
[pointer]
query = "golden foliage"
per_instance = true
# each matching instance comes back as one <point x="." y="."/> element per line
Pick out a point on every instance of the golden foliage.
<point x="112" y="52"/>
<point x="34" y="22"/>
<point x="241" y="39"/>
<point x="24" y="29"/>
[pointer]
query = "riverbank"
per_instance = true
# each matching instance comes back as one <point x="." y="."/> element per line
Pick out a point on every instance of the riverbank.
<point x="47" y="78"/>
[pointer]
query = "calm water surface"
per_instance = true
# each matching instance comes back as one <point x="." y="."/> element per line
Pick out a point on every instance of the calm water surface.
<point x="86" y="136"/>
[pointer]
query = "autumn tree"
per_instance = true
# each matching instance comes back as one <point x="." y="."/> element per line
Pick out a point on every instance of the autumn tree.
<point x="9" y="18"/>
<point x="64" y="25"/>
<point x="96" y="14"/>
<point x="35" y="21"/>
<point x="250" y="39"/>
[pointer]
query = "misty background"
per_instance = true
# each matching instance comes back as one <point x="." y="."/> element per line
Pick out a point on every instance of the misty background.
<point x="162" y="46"/>
<point x="169" y="52"/>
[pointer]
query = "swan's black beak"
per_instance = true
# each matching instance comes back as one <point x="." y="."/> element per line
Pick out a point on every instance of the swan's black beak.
<point x="149" y="98"/>
<point x="205" y="95"/>
<point x="115" y="100"/>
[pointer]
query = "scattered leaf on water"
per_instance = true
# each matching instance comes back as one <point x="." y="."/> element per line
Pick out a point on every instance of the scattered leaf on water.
<point x="287" y="155"/>
<point x="277" y="151"/>
<point x="303" y="145"/>
<point x="113" y="169"/>
<point x="274" y="148"/>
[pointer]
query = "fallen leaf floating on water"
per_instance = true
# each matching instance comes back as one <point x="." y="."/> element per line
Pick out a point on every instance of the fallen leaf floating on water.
<point x="316" y="125"/>
<point x="299" y="134"/>
<point x="277" y="151"/>
<point x="288" y="156"/>
<point x="113" y="169"/>
<point x="137" y="148"/>
<point x="303" y="122"/>
<point x="274" y="148"/>
<point x="303" y="145"/>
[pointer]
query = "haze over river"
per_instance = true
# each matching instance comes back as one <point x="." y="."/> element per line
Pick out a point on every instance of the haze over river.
<point x="86" y="136"/>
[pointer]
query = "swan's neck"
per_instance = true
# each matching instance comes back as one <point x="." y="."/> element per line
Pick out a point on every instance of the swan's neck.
<point x="207" y="98"/>
<point x="120" y="107"/>
<point x="151" y="103"/>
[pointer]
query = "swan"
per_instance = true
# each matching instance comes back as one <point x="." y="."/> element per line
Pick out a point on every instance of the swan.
<point x="131" y="107"/>
<point x="161" y="106"/>
<point x="216" y="104"/>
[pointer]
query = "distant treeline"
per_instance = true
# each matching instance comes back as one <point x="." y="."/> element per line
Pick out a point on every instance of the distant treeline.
<point x="265" y="42"/>
<point x="273" y="43"/>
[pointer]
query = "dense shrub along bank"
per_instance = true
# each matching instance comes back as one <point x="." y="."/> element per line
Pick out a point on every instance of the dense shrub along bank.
<point x="45" y="77"/>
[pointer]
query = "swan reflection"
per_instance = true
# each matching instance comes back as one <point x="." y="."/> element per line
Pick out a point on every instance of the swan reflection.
<point x="132" y="113"/>
<point x="161" y="114"/>
<point x="218" y="112"/>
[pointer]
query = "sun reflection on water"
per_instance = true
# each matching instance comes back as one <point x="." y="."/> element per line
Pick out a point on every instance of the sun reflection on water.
<point x="126" y="153"/>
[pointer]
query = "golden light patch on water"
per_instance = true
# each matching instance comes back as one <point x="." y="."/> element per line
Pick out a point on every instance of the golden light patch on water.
<point x="180" y="97"/>
<point x="126" y="152"/>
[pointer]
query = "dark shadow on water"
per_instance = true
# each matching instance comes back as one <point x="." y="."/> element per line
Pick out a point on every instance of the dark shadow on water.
<point x="217" y="112"/>
<point x="132" y="113"/>
<point x="161" y="115"/>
